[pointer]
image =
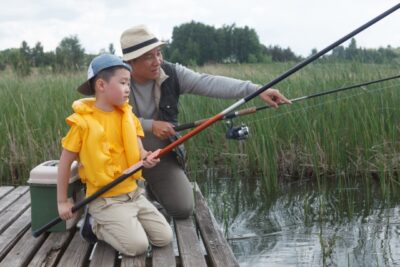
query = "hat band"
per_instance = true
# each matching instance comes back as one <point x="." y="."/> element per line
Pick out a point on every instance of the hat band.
<point x="138" y="46"/>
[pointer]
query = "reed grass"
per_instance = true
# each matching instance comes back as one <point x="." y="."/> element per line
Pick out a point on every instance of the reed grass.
<point x="32" y="121"/>
<point x="349" y="134"/>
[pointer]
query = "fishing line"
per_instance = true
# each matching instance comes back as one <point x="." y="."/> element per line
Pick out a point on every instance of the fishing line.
<point x="211" y="147"/>
<point x="304" y="108"/>
<point x="242" y="131"/>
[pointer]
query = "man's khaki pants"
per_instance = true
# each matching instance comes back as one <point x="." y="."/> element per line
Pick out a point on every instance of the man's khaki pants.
<point x="128" y="222"/>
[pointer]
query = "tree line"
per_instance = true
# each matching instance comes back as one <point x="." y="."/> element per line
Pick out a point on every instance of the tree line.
<point x="195" y="43"/>
<point x="192" y="43"/>
<point x="69" y="55"/>
<point x="381" y="55"/>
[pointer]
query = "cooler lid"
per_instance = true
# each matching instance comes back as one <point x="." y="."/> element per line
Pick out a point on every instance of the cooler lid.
<point x="46" y="173"/>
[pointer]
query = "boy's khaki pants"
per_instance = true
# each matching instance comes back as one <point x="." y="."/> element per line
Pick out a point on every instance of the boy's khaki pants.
<point x="128" y="222"/>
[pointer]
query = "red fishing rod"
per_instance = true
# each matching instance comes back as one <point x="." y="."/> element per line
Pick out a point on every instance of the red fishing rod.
<point x="160" y="152"/>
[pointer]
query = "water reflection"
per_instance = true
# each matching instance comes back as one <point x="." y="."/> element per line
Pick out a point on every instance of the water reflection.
<point x="336" y="224"/>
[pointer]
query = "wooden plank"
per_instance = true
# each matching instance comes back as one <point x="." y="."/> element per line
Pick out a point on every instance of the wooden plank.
<point x="11" y="235"/>
<point x="138" y="261"/>
<point x="9" y="215"/>
<point x="77" y="253"/>
<point x="189" y="245"/>
<point x="218" y="249"/>
<point x="51" y="250"/>
<point x="12" y="197"/>
<point x="22" y="253"/>
<point x="4" y="190"/>
<point x="103" y="256"/>
<point x="163" y="256"/>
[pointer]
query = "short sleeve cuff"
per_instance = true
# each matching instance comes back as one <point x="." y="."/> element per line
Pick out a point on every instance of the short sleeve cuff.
<point x="147" y="125"/>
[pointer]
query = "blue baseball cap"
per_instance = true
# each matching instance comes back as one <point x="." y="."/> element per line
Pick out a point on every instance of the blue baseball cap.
<point x="99" y="63"/>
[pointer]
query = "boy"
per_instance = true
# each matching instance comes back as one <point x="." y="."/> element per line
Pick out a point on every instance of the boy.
<point x="105" y="138"/>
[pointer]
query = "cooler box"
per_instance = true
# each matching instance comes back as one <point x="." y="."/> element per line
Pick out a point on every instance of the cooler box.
<point x="43" y="188"/>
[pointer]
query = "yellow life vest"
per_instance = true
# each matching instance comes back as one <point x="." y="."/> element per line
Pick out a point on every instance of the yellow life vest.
<point x="96" y="165"/>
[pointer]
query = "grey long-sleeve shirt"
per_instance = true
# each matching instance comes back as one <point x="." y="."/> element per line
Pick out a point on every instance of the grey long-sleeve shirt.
<point x="145" y="97"/>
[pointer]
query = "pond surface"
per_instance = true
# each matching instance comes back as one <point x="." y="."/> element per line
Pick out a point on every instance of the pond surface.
<point x="305" y="224"/>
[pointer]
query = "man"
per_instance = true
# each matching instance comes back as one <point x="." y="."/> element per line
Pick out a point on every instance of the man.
<point x="155" y="89"/>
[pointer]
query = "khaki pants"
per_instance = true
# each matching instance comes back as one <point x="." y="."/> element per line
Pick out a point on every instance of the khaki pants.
<point x="128" y="222"/>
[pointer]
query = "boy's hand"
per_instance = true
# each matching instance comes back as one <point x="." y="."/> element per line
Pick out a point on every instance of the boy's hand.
<point x="149" y="162"/>
<point x="64" y="210"/>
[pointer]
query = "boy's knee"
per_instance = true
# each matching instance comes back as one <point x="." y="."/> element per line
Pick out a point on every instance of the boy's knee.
<point x="163" y="238"/>
<point x="135" y="247"/>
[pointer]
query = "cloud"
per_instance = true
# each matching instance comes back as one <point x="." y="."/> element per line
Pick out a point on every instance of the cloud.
<point x="301" y="25"/>
<point x="23" y="11"/>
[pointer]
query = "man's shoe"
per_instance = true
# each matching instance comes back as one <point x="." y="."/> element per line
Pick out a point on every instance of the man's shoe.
<point x="86" y="229"/>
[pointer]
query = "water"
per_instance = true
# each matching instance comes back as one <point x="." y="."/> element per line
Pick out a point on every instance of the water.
<point x="305" y="224"/>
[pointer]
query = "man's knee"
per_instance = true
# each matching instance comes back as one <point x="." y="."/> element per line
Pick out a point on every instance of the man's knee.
<point x="181" y="210"/>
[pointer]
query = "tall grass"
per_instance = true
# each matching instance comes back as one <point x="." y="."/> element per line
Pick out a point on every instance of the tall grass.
<point x="353" y="133"/>
<point x="32" y="121"/>
<point x="349" y="134"/>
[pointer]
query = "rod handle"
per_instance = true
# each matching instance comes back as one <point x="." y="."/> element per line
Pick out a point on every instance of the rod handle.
<point x="188" y="125"/>
<point x="45" y="227"/>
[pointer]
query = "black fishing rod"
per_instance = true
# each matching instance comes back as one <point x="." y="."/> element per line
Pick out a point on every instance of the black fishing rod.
<point x="252" y="110"/>
<point x="160" y="152"/>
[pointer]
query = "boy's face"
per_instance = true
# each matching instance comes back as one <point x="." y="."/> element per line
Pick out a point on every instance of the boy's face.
<point x="147" y="66"/>
<point x="116" y="90"/>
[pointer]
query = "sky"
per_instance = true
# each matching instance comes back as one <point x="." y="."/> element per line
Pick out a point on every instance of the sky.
<point x="299" y="24"/>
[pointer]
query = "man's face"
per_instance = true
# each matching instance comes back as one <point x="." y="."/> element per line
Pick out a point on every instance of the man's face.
<point x="147" y="66"/>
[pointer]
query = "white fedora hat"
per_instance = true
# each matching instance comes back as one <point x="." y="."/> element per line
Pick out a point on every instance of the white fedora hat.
<point x="136" y="41"/>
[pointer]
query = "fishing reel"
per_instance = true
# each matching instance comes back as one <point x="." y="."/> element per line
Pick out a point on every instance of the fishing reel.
<point x="240" y="132"/>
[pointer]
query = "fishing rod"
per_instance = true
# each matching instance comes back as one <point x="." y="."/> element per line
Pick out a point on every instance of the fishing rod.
<point x="242" y="132"/>
<point x="160" y="152"/>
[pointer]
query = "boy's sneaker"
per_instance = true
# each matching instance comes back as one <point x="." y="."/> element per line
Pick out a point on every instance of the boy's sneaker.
<point x="86" y="229"/>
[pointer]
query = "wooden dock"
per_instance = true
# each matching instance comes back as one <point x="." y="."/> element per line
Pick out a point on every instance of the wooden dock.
<point x="199" y="241"/>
